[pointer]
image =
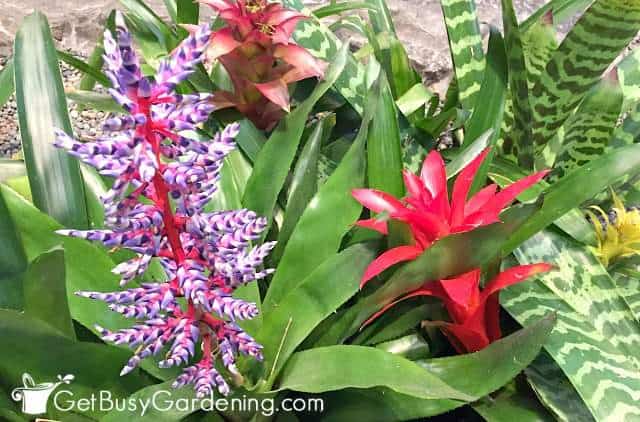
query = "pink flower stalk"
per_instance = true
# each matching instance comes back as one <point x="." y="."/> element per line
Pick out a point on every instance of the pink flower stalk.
<point x="428" y="211"/>
<point x="261" y="58"/>
<point x="163" y="179"/>
<point x="475" y="313"/>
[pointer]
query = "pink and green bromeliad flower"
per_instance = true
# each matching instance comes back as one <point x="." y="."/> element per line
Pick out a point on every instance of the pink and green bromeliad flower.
<point x="155" y="208"/>
<point x="256" y="48"/>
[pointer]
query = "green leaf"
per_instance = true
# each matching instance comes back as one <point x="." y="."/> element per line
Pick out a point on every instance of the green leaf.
<point x="163" y="394"/>
<point x="628" y="282"/>
<point x="476" y="374"/>
<point x="233" y="180"/>
<point x="588" y="131"/>
<point x="597" y="339"/>
<point x="539" y="41"/>
<point x="381" y="20"/>
<point x="341" y="7"/>
<point x="45" y="295"/>
<point x="384" y="152"/>
<point x="7" y="86"/>
<point x="572" y="222"/>
<point x="403" y="76"/>
<point x="88" y="82"/>
<point x="489" y="112"/>
<point x="32" y="346"/>
<point x="302" y="309"/>
<point x="492" y="92"/>
<point x="275" y="157"/>
<point x="555" y="391"/>
<point x="143" y="14"/>
<point x="304" y="185"/>
<point x="392" y="325"/>
<point x="467" y="154"/>
<point x="325" y="221"/>
<point x="10" y="169"/>
<point x="465" y="42"/>
<point x="629" y="131"/>
<point x="362" y="367"/>
<point x="37" y="231"/>
<point x="510" y="404"/>
<point x="324" y="44"/>
<point x="416" y="97"/>
<point x="518" y="86"/>
<point x="94" y="100"/>
<point x="187" y="11"/>
<point x="12" y="256"/>
<point x="577" y="187"/>
<point x="559" y="10"/>
<point x="54" y="176"/>
<point x="454" y="254"/>
<point x="250" y="139"/>
<point x="600" y="35"/>
<point x="85" y="68"/>
<point x="411" y="346"/>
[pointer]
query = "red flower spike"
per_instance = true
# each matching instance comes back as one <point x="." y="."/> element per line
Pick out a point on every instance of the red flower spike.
<point x="427" y="210"/>
<point x="257" y="51"/>
<point x="474" y="313"/>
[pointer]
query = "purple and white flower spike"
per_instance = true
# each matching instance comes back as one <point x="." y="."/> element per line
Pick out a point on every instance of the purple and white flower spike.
<point x="163" y="179"/>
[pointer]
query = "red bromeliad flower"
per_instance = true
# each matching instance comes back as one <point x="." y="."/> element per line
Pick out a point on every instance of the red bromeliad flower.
<point x="261" y="58"/>
<point x="428" y="211"/>
<point x="474" y="312"/>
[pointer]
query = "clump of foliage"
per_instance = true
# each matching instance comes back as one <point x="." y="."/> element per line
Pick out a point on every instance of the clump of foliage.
<point x="482" y="281"/>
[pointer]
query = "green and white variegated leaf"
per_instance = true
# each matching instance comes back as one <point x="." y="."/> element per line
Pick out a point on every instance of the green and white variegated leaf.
<point x="588" y="131"/>
<point x="629" y="288"/>
<point x="519" y="133"/>
<point x="629" y="131"/>
<point x="323" y="44"/>
<point x="465" y="43"/>
<point x="596" y="341"/>
<point x="555" y="391"/>
<point x="603" y="31"/>
<point x="538" y="43"/>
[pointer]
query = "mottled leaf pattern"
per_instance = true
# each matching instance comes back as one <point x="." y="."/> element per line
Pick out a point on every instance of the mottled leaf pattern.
<point x="324" y="44"/>
<point x="465" y="42"/>
<point x="588" y="131"/>
<point x="556" y="392"/>
<point x="629" y="288"/>
<point x="520" y="132"/>
<point x="538" y="42"/>
<point x="602" y="32"/>
<point x="596" y="341"/>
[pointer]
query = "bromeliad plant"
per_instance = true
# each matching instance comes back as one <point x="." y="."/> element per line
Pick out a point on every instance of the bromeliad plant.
<point x="475" y="253"/>
<point x="155" y="208"/>
<point x="256" y="49"/>
<point x="474" y="312"/>
<point x="429" y="213"/>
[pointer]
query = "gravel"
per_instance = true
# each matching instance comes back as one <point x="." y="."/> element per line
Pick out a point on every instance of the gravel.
<point x="86" y="123"/>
